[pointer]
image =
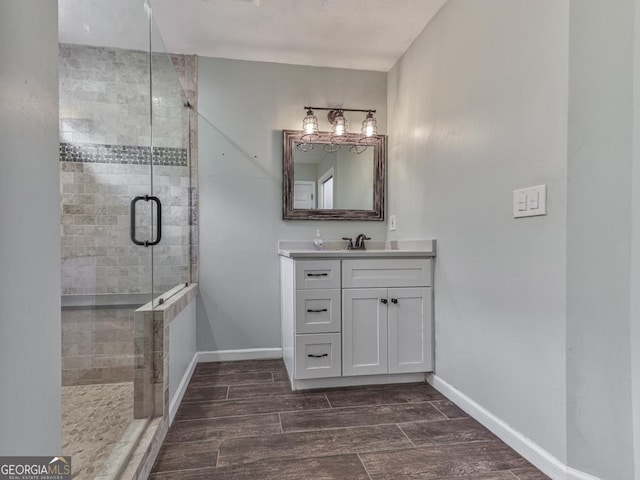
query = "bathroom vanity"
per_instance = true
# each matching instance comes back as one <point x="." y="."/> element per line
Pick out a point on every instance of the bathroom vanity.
<point x="355" y="317"/>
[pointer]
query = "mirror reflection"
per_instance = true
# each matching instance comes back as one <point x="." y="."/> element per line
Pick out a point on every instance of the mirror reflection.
<point x="333" y="180"/>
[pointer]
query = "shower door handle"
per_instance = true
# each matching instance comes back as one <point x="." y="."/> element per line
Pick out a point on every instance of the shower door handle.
<point x="158" y="221"/>
<point x="132" y="230"/>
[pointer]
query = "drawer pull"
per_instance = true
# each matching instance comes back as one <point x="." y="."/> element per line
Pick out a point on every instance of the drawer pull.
<point x="318" y="356"/>
<point x="317" y="274"/>
<point x="317" y="311"/>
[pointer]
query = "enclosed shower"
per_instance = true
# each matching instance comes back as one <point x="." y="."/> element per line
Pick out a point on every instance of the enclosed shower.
<point x="127" y="218"/>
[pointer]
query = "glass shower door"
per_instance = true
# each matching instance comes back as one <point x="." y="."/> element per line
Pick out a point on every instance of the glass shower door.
<point x="107" y="241"/>
<point x="173" y="79"/>
<point x="125" y="180"/>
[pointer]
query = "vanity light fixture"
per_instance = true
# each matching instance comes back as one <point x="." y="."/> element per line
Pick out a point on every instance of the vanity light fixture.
<point x="338" y="122"/>
<point x="310" y="126"/>
<point x="339" y="129"/>
<point x="369" y="126"/>
<point x="368" y="134"/>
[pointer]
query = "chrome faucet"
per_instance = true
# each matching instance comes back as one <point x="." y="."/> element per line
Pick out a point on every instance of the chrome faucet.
<point x="360" y="242"/>
<point x="349" y="242"/>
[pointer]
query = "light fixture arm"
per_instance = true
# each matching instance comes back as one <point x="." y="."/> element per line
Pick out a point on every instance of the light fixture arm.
<point x="342" y="109"/>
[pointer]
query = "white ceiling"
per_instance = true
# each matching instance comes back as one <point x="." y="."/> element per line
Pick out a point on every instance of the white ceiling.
<point x="360" y="34"/>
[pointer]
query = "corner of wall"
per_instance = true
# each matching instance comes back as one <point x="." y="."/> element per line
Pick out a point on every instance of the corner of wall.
<point x="30" y="340"/>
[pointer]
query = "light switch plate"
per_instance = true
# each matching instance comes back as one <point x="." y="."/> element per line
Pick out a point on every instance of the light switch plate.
<point x="392" y="223"/>
<point x="530" y="202"/>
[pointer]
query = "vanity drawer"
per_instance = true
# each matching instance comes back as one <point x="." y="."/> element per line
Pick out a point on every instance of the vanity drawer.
<point x="318" y="311"/>
<point x="318" y="355"/>
<point x="371" y="273"/>
<point x="317" y="274"/>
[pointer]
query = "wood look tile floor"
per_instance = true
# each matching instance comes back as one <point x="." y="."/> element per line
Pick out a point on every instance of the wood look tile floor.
<point x="240" y="420"/>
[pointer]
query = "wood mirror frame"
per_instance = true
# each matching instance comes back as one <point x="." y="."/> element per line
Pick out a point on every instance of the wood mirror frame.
<point x="293" y="137"/>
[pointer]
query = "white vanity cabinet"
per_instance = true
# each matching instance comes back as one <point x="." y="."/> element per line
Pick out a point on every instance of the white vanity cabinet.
<point x="386" y="329"/>
<point x="356" y="317"/>
<point x="311" y="327"/>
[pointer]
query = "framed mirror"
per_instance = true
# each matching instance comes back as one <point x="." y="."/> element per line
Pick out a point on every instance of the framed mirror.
<point x="325" y="181"/>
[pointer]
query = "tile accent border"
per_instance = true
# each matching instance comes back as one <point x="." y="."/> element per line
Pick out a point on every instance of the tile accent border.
<point x="122" y="154"/>
<point x="530" y="450"/>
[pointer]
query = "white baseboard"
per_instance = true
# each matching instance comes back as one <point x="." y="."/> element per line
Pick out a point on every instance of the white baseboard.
<point x="530" y="450"/>
<point x="573" y="474"/>
<point x="233" y="355"/>
<point x="182" y="387"/>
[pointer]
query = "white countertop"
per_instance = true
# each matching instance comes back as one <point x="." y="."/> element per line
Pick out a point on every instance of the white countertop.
<point x="375" y="248"/>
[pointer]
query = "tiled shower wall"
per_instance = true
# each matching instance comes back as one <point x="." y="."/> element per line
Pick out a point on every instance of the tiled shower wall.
<point x="98" y="256"/>
<point x="105" y="162"/>
<point x="97" y="345"/>
<point x="104" y="144"/>
<point x="104" y="97"/>
<point x="187" y="68"/>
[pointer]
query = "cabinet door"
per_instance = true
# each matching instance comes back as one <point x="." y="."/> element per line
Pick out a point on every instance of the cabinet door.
<point x="364" y="331"/>
<point x="410" y="332"/>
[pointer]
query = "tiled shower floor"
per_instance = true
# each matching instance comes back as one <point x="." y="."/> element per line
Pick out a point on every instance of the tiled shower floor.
<point x="94" y="419"/>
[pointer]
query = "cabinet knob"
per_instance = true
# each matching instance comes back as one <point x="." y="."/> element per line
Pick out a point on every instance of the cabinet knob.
<point x="394" y="300"/>
<point x="384" y="301"/>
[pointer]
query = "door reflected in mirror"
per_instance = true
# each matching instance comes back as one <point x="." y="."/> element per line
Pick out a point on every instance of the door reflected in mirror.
<point x="325" y="190"/>
<point x="325" y="182"/>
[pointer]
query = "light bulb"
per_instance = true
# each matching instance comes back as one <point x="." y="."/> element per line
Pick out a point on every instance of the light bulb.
<point x="369" y="131"/>
<point x="369" y="126"/>
<point x="310" y="127"/>
<point x="339" y="125"/>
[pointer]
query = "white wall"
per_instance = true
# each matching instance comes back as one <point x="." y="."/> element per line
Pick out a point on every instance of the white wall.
<point x="306" y="172"/>
<point x="635" y="253"/>
<point x="477" y="108"/>
<point x="354" y="169"/>
<point x="600" y="160"/>
<point x="244" y="106"/>
<point x="30" y="370"/>
<point x="182" y="347"/>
